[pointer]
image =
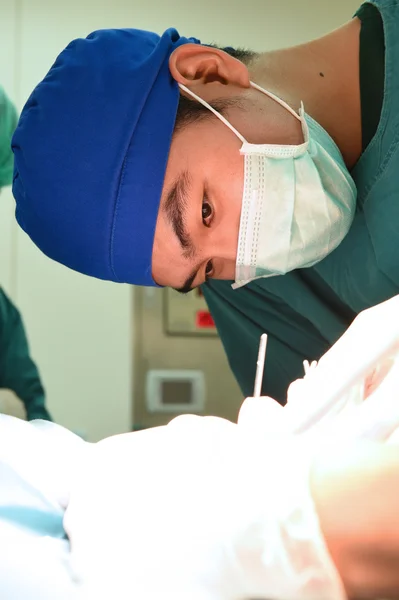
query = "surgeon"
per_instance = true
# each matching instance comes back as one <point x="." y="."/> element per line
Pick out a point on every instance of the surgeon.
<point x="18" y="372"/>
<point x="270" y="180"/>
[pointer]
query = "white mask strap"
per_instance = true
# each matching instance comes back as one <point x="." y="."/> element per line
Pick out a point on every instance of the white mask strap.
<point x="215" y="112"/>
<point x="225" y="121"/>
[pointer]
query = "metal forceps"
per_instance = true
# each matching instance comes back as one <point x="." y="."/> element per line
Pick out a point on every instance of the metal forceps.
<point x="260" y="366"/>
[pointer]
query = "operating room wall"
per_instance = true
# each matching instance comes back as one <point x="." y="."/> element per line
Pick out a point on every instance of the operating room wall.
<point x="80" y="329"/>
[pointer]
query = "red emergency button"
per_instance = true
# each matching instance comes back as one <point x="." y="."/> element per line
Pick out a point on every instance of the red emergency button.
<point x="204" y="319"/>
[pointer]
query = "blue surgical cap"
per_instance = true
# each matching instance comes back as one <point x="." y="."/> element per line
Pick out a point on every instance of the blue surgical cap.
<point x="91" y="149"/>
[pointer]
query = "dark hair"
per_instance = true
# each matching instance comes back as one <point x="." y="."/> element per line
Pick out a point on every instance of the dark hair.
<point x="190" y="111"/>
<point x="242" y="54"/>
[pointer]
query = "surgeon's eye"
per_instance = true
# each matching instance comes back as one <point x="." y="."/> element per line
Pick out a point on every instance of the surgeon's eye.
<point x="209" y="269"/>
<point x="207" y="212"/>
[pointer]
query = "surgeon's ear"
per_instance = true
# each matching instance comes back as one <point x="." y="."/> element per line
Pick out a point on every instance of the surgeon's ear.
<point x="191" y="63"/>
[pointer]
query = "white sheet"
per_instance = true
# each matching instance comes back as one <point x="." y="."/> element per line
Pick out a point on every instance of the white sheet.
<point x="221" y="511"/>
<point x="202" y="509"/>
<point x="37" y="461"/>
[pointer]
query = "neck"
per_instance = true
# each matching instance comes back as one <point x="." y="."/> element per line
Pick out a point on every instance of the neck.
<point x="324" y="75"/>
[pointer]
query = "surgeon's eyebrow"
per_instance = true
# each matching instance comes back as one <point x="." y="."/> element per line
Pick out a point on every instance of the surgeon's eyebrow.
<point x="176" y="206"/>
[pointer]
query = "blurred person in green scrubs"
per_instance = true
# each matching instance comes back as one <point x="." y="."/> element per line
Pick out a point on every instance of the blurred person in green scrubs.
<point x="18" y="372"/>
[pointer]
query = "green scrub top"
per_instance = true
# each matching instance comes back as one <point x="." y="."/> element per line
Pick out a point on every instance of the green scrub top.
<point x="307" y="310"/>
<point x="18" y="372"/>
<point x="8" y="122"/>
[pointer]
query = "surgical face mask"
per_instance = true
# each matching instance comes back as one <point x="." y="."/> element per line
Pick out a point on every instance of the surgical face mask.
<point x="298" y="201"/>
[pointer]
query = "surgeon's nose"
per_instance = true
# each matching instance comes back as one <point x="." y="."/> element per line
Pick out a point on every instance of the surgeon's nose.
<point x="225" y="244"/>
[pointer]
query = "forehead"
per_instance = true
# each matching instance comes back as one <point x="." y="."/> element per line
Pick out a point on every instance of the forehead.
<point x="197" y="147"/>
